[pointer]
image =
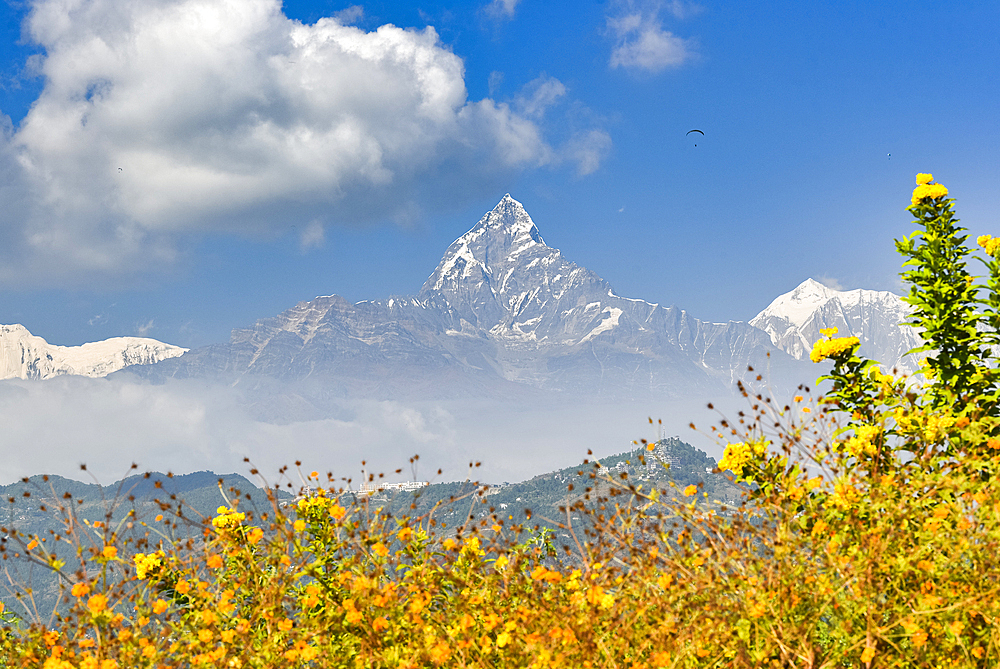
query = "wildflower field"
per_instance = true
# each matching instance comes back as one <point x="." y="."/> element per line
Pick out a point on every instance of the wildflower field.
<point x="868" y="536"/>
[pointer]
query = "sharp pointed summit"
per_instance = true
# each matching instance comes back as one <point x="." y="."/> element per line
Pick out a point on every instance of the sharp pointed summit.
<point x="499" y="239"/>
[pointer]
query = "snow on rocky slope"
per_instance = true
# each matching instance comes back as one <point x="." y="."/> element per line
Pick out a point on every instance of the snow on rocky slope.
<point x="25" y="356"/>
<point x="793" y="321"/>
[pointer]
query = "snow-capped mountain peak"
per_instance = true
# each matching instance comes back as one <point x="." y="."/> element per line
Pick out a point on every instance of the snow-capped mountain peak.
<point x="794" y="320"/>
<point x="26" y="356"/>
<point x="498" y="239"/>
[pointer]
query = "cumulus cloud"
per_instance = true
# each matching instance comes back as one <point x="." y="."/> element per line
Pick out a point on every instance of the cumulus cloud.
<point x="642" y="43"/>
<point x="159" y="121"/>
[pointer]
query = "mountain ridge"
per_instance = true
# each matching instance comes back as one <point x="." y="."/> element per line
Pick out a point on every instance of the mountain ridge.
<point x="27" y="356"/>
<point x="505" y="315"/>
<point x="501" y="313"/>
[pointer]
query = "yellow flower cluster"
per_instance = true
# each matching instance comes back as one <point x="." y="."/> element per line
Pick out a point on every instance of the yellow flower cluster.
<point x="926" y="189"/>
<point x="227" y="518"/>
<point x="930" y="427"/>
<point x="827" y="348"/>
<point x="147" y="564"/>
<point x="989" y="243"/>
<point x="737" y="456"/>
<point x="845" y="496"/>
<point x="864" y="441"/>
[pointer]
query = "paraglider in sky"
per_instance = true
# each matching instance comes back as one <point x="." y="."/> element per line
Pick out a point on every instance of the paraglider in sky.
<point x="690" y="131"/>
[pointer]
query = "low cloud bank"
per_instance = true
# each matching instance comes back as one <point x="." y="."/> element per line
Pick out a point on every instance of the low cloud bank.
<point x="186" y="425"/>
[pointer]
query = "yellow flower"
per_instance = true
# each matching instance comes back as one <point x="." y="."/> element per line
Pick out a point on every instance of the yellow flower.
<point x="80" y="589"/>
<point x="828" y="348"/>
<point x="146" y="564"/>
<point x="227" y="518"/>
<point x="865" y="440"/>
<point x="110" y="552"/>
<point x="33" y="544"/>
<point x="924" y="178"/>
<point x="337" y="511"/>
<point x="380" y="550"/>
<point x="183" y="587"/>
<point x="404" y="534"/>
<point x="159" y="606"/>
<point x="441" y="652"/>
<point x="255" y="535"/>
<point x="737" y="456"/>
<point x="928" y="190"/>
<point x="214" y="561"/>
<point x="989" y="243"/>
<point x="97" y="604"/>
<point x="868" y="654"/>
<point x="690" y="490"/>
<point x="299" y="525"/>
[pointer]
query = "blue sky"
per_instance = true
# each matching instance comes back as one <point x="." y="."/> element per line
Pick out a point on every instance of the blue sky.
<point x="270" y="153"/>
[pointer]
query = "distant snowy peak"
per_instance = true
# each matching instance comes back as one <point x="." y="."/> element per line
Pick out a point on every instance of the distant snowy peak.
<point x="793" y="321"/>
<point x="496" y="241"/>
<point x="25" y="356"/>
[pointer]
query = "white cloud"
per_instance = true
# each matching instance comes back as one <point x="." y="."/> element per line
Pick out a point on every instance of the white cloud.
<point x="312" y="237"/>
<point x="502" y="8"/>
<point x="160" y="121"/>
<point x="494" y="81"/>
<point x="190" y="425"/>
<point x="641" y="42"/>
<point x="350" y="15"/>
<point x="540" y="94"/>
<point x="143" y="329"/>
<point x="588" y="149"/>
<point x="830" y="282"/>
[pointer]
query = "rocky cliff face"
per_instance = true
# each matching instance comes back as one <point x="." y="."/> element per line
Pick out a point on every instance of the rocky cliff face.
<point x="25" y="356"/>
